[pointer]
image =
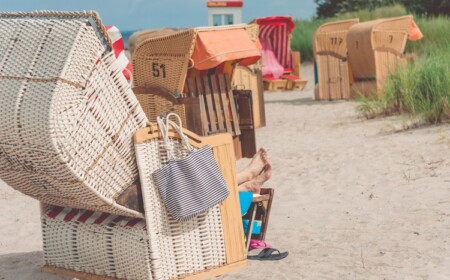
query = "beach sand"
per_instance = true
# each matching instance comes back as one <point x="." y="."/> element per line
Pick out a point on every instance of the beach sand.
<point x="355" y="198"/>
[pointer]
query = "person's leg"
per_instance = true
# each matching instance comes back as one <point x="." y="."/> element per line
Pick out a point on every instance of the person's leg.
<point x="255" y="184"/>
<point x="255" y="167"/>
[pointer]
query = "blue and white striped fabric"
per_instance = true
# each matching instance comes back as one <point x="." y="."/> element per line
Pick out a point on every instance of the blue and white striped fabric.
<point x="190" y="185"/>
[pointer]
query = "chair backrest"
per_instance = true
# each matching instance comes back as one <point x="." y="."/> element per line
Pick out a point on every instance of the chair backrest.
<point x="68" y="114"/>
<point x="330" y="54"/>
<point x="331" y="38"/>
<point x="226" y="224"/>
<point x="375" y="46"/>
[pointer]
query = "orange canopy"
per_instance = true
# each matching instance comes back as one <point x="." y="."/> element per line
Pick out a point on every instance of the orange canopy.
<point x="415" y="33"/>
<point x="212" y="47"/>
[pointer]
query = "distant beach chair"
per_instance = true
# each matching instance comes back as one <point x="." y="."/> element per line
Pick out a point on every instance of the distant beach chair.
<point x="375" y="50"/>
<point x="66" y="138"/>
<point x="280" y="66"/>
<point x="330" y="55"/>
<point x="189" y="71"/>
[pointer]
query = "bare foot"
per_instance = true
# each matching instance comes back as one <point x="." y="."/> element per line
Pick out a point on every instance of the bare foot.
<point x="255" y="184"/>
<point x="255" y="167"/>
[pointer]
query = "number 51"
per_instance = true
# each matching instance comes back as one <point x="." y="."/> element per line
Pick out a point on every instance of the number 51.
<point x="156" y="67"/>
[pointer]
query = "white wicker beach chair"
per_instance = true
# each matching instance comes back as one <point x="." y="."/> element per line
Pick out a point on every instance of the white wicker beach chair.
<point x="68" y="117"/>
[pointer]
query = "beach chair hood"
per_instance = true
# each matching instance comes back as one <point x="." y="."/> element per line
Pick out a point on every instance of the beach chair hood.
<point x="277" y="31"/>
<point x="215" y="47"/>
<point x="68" y="113"/>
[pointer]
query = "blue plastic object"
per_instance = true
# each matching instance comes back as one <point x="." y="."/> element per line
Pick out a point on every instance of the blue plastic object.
<point x="245" y="199"/>
<point x="256" y="229"/>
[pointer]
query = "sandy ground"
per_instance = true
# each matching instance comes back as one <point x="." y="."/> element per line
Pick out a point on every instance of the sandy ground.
<point x="354" y="200"/>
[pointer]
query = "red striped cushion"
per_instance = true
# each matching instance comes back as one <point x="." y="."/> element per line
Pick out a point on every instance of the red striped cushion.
<point x="90" y="217"/>
<point x="118" y="47"/>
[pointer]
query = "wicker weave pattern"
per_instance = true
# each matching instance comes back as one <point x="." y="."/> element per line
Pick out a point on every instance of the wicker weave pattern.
<point x="154" y="52"/>
<point x="107" y="250"/>
<point x="177" y="248"/>
<point x="68" y="115"/>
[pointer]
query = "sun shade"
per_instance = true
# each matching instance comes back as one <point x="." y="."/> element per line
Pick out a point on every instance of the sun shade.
<point x="212" y="47"/>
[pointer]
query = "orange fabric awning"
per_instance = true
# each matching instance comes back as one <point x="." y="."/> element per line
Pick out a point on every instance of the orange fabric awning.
<point x="213" y="47"/>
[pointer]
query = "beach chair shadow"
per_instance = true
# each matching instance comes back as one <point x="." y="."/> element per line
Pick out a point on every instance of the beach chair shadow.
<point x="69" y="118"/>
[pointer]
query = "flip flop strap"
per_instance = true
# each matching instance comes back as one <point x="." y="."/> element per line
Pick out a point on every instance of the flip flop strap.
<point x="269" y="252"/>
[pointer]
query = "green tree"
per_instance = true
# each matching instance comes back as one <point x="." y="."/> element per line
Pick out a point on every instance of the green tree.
<point x="428" y="8"/>
<point x="330" y="8"/>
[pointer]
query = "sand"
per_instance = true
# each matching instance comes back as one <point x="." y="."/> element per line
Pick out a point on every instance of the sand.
<point x="355" y="198"/>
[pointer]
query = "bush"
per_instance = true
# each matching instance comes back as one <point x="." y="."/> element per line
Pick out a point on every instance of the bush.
<point x="422" y="89"/>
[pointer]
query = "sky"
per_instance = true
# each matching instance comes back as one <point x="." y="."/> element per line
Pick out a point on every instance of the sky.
<point x="146" y="14"/>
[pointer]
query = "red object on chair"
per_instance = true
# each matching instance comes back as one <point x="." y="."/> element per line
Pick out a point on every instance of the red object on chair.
<point x="118" y="47"/>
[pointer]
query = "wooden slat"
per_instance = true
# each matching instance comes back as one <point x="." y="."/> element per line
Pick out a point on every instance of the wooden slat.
<point x="196" y="114"/>
<point x="217" y="104"/>
<point x="345" y="80"/>
<point x="223" y="99"/>
<point x="230" y="208"/>
<point x="259" y="111"/>
<point x="224" y="82"/>
<point x="203" y="86"/>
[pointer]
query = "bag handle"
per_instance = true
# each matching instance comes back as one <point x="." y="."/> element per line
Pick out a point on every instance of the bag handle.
<point x="164" y="129"/>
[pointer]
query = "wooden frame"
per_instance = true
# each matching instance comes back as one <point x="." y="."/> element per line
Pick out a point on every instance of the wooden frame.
<point x="251" y="79"/>
<point x="259" y="210"/>
<point x="275" y="84"/>
<point x="196" y="276"/>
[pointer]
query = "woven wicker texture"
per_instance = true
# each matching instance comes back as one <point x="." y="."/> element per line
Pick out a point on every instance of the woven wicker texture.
<point x="375" y="49"/>
<point x="68" y="114"/>
<point x="177" y="248"/>
<point x="330" y="54"/>
<point x="107" y="250"/>
<point x="162" y="61"/>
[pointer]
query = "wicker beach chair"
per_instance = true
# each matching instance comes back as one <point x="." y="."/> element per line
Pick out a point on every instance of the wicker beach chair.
<point x="66" y="138"/>
<point x="250" y="78"/>
<point x="375" y="49"/>
<point x="189" y="72"/>
<point x="281" y="66"/>
<point x="330" y="54"/>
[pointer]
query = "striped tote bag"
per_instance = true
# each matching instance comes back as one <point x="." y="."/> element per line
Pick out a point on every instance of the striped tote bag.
<point x="190" y="185"/>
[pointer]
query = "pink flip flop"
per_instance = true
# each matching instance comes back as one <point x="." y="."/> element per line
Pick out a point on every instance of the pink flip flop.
<point x="258" y="244"/>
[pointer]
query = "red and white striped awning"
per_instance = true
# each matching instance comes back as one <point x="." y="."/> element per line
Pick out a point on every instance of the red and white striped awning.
<point x="277" y="30"/>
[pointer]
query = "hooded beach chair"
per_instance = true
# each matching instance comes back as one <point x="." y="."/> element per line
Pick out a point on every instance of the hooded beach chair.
<point x="375" y="50"/>
<point x="330" y="55"/>
<point x="189" y="72"/>
<point x="280" y="66"/>
<point x="68" y="119"/>
<point x="249" y="77"/>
